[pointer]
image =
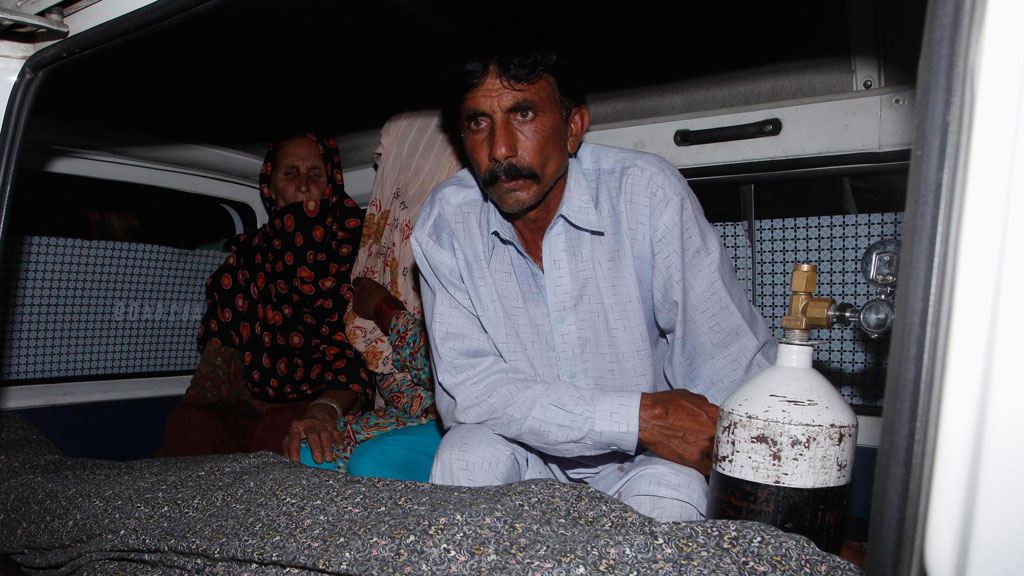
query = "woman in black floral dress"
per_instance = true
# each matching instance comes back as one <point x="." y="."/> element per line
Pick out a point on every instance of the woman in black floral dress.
<point x="275" y="365"/>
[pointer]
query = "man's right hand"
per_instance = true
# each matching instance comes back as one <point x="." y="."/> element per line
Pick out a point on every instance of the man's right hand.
<point x="679" y="425"/>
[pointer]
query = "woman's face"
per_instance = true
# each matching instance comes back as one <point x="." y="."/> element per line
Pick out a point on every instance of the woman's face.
<point x="297" y="172"/>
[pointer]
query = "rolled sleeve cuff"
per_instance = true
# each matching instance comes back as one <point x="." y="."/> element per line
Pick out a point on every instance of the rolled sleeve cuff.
<point x="618" y="421"/>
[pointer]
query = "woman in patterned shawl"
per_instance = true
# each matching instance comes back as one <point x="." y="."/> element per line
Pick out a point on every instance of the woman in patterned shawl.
<point x="385" y="322"/>
<point x="275" y="365"/>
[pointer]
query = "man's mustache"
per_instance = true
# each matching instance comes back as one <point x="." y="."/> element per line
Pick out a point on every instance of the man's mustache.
<point x="507" y="171"/>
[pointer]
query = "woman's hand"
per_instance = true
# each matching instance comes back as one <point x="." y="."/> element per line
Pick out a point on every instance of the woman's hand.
<point x="319" y="427"/>
<point x="374" y="302"/>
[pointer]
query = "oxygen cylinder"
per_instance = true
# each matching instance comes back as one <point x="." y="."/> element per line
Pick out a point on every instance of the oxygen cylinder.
<point x="784" y="449"/>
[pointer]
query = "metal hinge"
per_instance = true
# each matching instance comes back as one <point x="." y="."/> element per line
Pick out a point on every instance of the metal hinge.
<point x="22" y="20"/>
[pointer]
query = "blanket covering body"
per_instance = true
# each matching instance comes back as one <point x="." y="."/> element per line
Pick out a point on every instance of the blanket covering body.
<point x="261" y="514"/>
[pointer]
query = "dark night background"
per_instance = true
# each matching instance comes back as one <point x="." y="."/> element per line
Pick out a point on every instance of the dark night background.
<point x="250" y="69"/>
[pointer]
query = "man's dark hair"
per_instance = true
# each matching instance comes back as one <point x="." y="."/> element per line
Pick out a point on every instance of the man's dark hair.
<point x="518" y="68"/>
<point x="517" y="62"/>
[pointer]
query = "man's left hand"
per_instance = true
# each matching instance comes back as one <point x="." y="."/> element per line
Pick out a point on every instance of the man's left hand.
<point x="679" y="425"/>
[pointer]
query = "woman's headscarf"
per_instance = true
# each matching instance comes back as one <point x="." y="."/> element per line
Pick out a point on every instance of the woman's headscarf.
<point x="281" y="294"/>
<point x="414" y="156"/>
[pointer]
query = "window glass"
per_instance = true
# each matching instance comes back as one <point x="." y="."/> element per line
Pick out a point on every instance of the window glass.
<point x="63" y="206"/>
<point x="106" y="280"/>
<point x="796" y="196"/>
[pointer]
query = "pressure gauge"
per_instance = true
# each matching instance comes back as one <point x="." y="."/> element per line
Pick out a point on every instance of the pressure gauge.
<point x="876" y="317"/>
<point x="879" y="263"/>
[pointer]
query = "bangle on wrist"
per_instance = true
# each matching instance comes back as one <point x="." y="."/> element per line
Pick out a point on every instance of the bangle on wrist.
<point x="328" y="402"/>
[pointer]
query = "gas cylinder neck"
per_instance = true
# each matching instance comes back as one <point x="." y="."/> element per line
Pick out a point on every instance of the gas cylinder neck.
<point x="794" y="356"/>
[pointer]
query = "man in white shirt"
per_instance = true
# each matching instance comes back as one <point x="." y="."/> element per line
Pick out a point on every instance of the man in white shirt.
<point x="581" y="310"/>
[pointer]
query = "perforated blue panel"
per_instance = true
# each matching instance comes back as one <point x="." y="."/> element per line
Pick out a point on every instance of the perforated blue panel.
<point x="80" y="308"/>
<point x="853" y="362"/>
<point x="89" y="309"/>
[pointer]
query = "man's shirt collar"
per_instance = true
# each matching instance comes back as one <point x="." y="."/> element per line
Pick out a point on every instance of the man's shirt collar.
<point x="579" y="204"/>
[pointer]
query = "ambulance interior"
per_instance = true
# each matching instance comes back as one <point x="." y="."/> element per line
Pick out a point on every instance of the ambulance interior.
<point x="139" y="152"/>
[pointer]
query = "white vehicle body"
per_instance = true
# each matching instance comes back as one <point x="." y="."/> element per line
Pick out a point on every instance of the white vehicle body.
<point x="958" y="511"/>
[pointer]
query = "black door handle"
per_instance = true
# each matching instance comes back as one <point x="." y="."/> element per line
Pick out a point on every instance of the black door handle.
<point x="769" y="127"/>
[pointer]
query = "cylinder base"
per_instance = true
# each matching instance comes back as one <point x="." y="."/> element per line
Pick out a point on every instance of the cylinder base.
<point x="817" y="513"/>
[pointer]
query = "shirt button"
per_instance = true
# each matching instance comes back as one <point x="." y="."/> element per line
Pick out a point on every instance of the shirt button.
<point x="571" y="375"/>
<point x="561" y="318"/>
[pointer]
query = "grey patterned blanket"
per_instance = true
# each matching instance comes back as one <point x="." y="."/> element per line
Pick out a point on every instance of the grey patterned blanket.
<point x="262" y="514"/>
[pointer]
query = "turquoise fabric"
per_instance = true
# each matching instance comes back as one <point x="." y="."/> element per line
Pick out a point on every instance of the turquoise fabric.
<point x="402" y="454"/>
<point x="306" y="457"/>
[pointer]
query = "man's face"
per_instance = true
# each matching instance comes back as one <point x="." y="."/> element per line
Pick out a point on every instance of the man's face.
<point x="298" y="172"/>
<point x="518" y="142"/>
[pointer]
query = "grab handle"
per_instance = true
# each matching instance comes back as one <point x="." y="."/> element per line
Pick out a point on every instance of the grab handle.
<point x="762" y="129"/>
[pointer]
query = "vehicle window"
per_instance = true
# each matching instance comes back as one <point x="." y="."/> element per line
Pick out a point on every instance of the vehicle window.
<point x="106" y="280"/>
<point x="827" y="221"/>
<point x="59" y="205"/>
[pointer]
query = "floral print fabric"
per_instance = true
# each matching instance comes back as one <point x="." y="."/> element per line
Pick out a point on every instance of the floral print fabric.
<point x="414" y="156"/>
<point x="280" y="296"/>
<point x="408" y="392"/>
<point x="409" y="341"/>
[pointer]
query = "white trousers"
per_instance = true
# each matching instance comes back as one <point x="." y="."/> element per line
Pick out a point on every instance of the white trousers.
<point x="473" y="455"/>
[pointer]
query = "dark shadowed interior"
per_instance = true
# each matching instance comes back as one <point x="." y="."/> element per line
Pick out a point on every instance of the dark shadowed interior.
<point x="250" y="69"/>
